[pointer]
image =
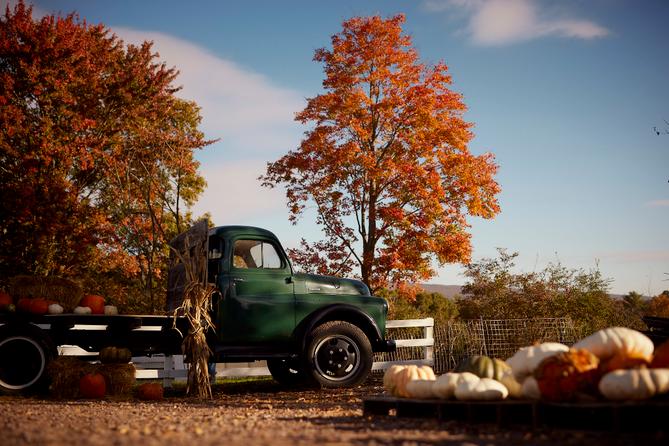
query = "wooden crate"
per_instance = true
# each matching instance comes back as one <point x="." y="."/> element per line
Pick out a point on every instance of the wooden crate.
<point x="642" y="416"/>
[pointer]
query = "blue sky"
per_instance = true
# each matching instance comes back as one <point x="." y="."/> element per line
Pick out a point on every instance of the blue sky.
<point x="565" y="94"/>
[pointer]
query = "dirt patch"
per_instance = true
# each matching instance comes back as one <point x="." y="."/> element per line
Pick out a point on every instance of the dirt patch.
<point x="253" y="413"/>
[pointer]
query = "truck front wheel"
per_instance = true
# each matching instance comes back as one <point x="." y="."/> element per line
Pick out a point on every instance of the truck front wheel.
<point x="338" y="355"/>
<point x="25" y="353"/>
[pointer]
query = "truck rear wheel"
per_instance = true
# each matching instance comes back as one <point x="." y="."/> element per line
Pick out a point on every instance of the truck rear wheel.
<point x="338" y="355"/>
<point x="25" y="353"/>
<point x="289" y="372"/>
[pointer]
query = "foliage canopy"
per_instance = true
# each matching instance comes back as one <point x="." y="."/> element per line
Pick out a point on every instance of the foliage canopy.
<point x="96" y="154"/>
<point x="385" y="162"/>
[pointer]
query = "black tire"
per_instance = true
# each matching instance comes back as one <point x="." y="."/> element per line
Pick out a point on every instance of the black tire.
<point x="338" y="355"/>
<point x="288" y="372"/>
<point x="25" y="353"/>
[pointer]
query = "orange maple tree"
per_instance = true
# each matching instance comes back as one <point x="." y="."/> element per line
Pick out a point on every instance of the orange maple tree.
<point x="385" y="162"/>
<point x="96" y="152"/>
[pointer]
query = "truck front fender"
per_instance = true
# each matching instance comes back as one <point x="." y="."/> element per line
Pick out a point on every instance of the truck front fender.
<point x="340" y="312"/>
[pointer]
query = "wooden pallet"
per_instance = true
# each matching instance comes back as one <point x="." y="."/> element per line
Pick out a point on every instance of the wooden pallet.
<point x="645" y="416"/>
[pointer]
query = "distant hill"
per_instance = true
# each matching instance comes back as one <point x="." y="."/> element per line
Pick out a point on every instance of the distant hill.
<point x="449" y="291"/>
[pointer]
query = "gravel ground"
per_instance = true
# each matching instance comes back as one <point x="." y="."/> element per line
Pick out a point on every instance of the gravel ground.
<point x="259" y="412"/>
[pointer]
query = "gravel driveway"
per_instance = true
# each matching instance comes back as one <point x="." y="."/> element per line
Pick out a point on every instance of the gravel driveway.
<point x="255" y="413"/>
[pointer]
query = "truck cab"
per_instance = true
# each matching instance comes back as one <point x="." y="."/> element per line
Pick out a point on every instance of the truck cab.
<point x="308" y="327"/>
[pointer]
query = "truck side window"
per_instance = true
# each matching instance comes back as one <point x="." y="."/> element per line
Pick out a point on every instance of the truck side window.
<point x="255" y="254"/>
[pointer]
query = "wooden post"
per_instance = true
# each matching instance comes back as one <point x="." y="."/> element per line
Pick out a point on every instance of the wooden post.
<point x="168" y="371"/>
<point x="428" y="331"/>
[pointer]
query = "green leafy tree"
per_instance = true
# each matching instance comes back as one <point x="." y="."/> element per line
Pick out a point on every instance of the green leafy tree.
<point x="495" y="291"/>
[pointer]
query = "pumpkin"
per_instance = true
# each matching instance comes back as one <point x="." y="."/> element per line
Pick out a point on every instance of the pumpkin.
<point x="617" y="340"/>
<point x="472" y="388"/>
<point x="420" y="388"/>
<point x="24" y="304"/>
<point x="563" y="376"/>
<point x="621" y="361"/>
<point x="397" y="378"/>
<point x="92" y="385"/>
<point x="636" y="384"/>
<point x="389" y="377"/>
<point x="95" y="303"/>
<point x="444" y="386"/>
<point x="526" y="359"/>
<point x="661" y="357"/>
<point x="38" y="306"/>
<point x="5" y="300"/>
<point x="483" y="367"/>
<point x="55" y="309"/>
<point x="110" y="310"/>
<point x="530" y="389"/>
<point x="115" y="355"/>
<point x="150" y="392"/>
<point x="82" y="310"/>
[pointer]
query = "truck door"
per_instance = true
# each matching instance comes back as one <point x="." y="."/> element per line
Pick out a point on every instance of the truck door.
<point x="259" y="307"/>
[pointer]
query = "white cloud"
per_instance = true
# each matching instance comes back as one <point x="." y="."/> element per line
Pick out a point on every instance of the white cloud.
<point x="38" y="12"/>
<point x="504" y="22"/>
<point x="658" y="204"/>
<point x="240" y="106"/>
<point x="234" y="194"/>
<point x="252" y="116"/>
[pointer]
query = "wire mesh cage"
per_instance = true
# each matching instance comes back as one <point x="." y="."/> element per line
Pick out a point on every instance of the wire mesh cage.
<point x="455" y="340"/>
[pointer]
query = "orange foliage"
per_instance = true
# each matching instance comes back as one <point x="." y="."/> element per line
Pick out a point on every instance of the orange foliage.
<point x="385" y="162"/>
<point x="96" y="151"/>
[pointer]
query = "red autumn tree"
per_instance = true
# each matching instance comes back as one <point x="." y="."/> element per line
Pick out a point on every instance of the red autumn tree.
<point x="96" y="153"/>
<point x="385" y="161"/>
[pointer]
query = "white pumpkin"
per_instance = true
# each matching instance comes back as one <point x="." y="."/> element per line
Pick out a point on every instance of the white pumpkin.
<point x="444" y="386"/>
<point x="530" y="389"/>
<point x="111" y="310"/>
<point x="527" y="359"/>
<point x="617" y="340"/>
<point x="420" y="388"/>
<point x="634" y="384"/>
<point x="479" y="389"/>
<point x="82" y="310"/>
<point x="55" y="309"/>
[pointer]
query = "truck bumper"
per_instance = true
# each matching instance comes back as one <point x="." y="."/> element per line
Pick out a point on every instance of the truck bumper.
<point x="385" y="345"/>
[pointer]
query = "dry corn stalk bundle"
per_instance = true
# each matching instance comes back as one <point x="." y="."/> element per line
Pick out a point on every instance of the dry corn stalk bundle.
<point x="196" y="307"/>
<point x="64" y="291"/>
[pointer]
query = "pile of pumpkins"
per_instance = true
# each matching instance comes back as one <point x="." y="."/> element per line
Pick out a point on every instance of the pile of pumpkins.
<point x="89" y="304"/>
<point x="94" y="385"/>
<point x="616" y="363"/>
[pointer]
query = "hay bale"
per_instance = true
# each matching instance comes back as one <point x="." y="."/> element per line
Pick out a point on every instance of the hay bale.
<point x="65" y="373"/>
<point x="64" y="291"/>
<point x="120" y="378"/>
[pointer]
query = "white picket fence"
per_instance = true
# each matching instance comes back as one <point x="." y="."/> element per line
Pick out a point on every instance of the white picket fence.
<point x="168" y="367"/>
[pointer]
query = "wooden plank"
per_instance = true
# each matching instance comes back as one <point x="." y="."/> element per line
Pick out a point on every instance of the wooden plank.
<point x="400" y="343"/>
<point x="409" y="323"/>
<point x="383" y="365"/>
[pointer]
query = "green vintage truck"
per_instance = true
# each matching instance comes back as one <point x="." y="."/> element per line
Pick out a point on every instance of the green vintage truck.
<point x="310" y="329"/>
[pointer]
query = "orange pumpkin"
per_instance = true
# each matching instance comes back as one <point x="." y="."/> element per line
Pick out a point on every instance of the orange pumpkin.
<point x="5" y="300"/>
<point x="39" y="306"/>
<point x="622" y="362"/>
<point x="563" y="376"/>
<point x="150" y="392"/>
<point x="92" y="385"/>
<point x="661" y="357"/>
<point x="95" y="303"/>
<point x="24" y="304"/>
